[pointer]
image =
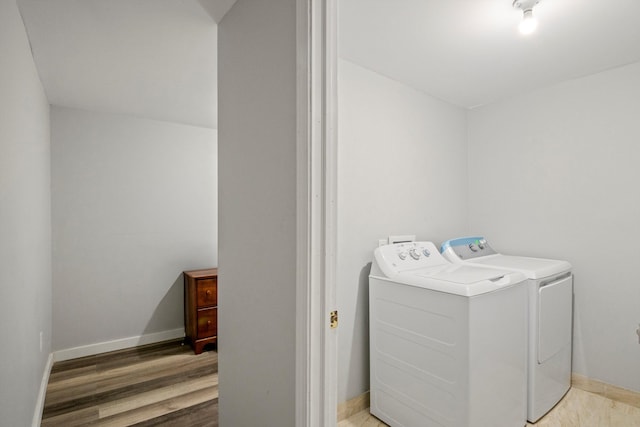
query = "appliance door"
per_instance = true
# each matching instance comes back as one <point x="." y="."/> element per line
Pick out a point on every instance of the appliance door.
<point x="555" y="300"/>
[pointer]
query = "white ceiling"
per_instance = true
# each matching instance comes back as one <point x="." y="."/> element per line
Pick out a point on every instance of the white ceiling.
<point x="158" y="59"/>
<point x="469" y="52"/>
<point x="148" y="58"/>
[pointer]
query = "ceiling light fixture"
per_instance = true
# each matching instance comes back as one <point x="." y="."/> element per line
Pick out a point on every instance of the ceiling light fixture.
<point x="529" y="22"/>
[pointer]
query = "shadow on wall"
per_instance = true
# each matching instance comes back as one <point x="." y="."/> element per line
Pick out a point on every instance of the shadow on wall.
<point x="169" y="313"/>
<point x="360" y="338"/>
<point x="576" y="328"/>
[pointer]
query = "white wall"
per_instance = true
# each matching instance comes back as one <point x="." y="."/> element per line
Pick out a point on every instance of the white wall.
<point x="402" y="169"/>
<point x="25" y="225"/>
<point x="134" y="204"/>
<point x="257" y="241"/>
<point x="555" y="173"/>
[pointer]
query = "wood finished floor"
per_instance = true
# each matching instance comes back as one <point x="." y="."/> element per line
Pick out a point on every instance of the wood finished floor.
<point x="578" y="408"/>
<point x="156" y="385"/>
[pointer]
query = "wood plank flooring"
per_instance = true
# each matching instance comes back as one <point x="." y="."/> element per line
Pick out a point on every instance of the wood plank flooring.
<point x="161" y="384"/>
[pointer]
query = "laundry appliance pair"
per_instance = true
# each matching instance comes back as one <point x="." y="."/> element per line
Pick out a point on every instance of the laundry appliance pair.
<point x="451" y="341"/>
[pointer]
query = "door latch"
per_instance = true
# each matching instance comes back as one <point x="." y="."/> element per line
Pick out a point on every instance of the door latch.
<point x="333" y="320"/>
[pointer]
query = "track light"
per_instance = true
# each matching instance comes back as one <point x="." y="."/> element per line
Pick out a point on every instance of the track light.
<point x="529" y="22"/>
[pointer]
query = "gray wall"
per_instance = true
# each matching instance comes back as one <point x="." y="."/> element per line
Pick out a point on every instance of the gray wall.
<point x="257" y="241"/>
<point x="555" y="173"/>
<point x="25" y="224"/>
<point x="402" y="169"/>
<point x="134" y="204"/>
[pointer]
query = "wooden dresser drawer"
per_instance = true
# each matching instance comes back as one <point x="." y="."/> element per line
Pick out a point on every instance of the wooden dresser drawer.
<point x="207" y="292"/>
<point x="207" y="322"/>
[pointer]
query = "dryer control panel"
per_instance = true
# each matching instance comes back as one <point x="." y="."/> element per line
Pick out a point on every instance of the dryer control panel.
<point x="468" y="247"/>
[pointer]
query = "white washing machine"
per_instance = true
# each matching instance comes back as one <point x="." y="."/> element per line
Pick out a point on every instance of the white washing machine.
<point x="550" y="285"/>
<point x="447" y="342"/>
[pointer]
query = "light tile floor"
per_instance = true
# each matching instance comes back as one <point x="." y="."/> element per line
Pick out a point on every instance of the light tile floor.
<point x="577" y="409"/>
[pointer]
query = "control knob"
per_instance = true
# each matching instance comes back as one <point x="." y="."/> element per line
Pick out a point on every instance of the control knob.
<point x="414" y="254"/>
<point x="426" y="252"/>
<point x="402" y="255"/>
<point x="473" y="247"/>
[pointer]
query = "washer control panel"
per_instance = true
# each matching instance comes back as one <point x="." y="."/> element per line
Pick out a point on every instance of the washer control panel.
<point x="409" y="255"/>
<point x="468" y="247"/>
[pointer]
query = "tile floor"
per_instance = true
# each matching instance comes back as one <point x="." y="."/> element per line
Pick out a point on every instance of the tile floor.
<point x="578" y="408"/>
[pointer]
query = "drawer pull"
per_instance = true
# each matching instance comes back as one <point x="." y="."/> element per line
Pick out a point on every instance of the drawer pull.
<point x="208" y="322"/>
<point x="208" y="292"/>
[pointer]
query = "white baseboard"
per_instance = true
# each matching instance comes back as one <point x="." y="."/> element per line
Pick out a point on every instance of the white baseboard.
<point x="37" y="415"/>
<point x="120" y="344"/>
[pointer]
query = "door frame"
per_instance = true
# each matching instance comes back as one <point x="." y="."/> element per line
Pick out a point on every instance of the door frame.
<point x="316" y="341"/>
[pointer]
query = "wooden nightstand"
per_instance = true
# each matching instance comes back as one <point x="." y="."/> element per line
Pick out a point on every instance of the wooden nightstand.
<point x="201" y="307"/>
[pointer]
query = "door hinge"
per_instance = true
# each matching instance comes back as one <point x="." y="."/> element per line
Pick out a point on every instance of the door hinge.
<point x="334" y="319"/>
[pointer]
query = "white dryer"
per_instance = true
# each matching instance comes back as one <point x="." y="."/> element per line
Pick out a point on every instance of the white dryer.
<point x="550" y="285"/>
<point x="447" y="342"/>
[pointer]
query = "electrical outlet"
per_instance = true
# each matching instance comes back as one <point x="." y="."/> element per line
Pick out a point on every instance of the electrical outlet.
<point x="40" y="341"/>
<point x="382" y="242"/>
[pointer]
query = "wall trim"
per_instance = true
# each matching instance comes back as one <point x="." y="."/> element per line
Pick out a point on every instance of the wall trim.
<point x="37" y="414"/>
<point x="316" y="123"/>
<point x="609" y="391"/>
<point x="119" y="344"/>
<point x="353" y="406"/>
